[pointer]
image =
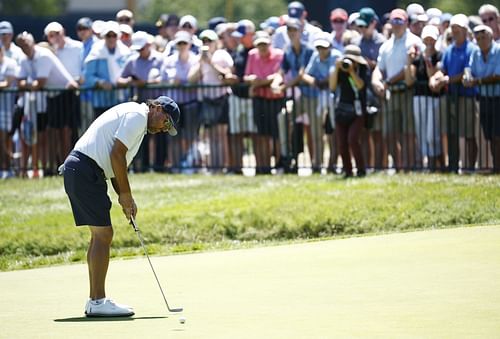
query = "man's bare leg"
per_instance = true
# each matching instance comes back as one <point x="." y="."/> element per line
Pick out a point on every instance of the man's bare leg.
<point x="98" y="259"/>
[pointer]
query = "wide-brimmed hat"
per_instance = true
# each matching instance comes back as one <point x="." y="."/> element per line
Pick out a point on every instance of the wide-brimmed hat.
<point x="353" y="52"/>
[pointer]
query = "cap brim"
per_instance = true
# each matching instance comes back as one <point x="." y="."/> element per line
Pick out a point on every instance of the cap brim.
<point x="357" y="58"/>
<point x="236" y="34"/>
<point x="322" y="43"/>
<point x="360" y="22"/>
<point x="261" y="41"/>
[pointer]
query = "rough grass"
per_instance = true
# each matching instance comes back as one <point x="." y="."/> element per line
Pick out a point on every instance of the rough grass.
<point x="193" y="213"/>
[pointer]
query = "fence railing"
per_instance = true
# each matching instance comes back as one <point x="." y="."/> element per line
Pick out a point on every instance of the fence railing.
<point x="236" y="129"/>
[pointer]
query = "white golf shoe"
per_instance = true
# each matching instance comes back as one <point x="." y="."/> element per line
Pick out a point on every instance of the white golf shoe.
<point x="108" y="308"/>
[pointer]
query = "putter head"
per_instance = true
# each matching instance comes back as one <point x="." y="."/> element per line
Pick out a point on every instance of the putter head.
<point x="176" y="310"/>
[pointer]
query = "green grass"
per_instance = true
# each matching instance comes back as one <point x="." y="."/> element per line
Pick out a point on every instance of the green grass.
<point x="194" y="213"/>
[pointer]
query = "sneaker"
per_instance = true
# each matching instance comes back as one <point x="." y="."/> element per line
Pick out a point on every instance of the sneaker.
<point x="108" y="308"/>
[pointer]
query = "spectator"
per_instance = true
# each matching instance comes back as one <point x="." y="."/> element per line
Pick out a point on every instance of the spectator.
<point x="175" y="71"/>
<point x="270" y="25"/>
<point x="295" y="60"/>
<point x="351" y="22"/>
<point x="85" y="34"/>
<point x="216" y="21"/>
<point x="39" y="70"/>
<point x="11" y="50"/>
<point x="103" y="67"/>
<point x="350" y="75"/>
<point x="338" y="20"/>
<point x="126" y="34"/>
<point x="369" y="42"/>
<point x="241" y="119"/>
<point x="140" y="70"/>
<point x="98" y="27"/>
<point x="485" y="71"/>
<point x="263" y="64"/>
<point x="462" y="109"/>
<point x="295" y="10"/>
<point x="214" y="66"/>
<point x="316" y="75"/>
<point x="168" y="25"/>
<point x="228" y="42"/>
<point x="126" y="17"/>
<point x="489" y="16"/>
<point x="187" y="23"/>
<point x="417" y="18"/>
<point x="420" y="67"/>
<point x="63" y="108"/>
<point x="8" y="72"/>
<point x="389" y="75"/>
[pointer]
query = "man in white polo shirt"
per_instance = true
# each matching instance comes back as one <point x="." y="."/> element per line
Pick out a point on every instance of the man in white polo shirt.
<point x="41" y="69"/>
<point x="65" y="106"/>
<point x="104" y="152"/>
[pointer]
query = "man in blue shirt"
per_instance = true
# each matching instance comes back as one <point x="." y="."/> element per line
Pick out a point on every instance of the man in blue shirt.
<point x="485" y="70"/>
<point x="461" y="112"/>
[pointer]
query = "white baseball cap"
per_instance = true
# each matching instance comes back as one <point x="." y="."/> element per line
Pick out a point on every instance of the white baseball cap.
<point x="54" y="26"/>
<point x="322" y="39"/>
<point x="460" y="20"/>
<point x="110" y="26"/>
<point x="140" y="39"/>
<point x="430" y="31"/>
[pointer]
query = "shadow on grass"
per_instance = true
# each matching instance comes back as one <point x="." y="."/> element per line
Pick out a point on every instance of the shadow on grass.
<point x="92" y="319"/>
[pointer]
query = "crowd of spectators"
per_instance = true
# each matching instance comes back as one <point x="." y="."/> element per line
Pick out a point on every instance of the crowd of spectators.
<point x="410" y="89"/>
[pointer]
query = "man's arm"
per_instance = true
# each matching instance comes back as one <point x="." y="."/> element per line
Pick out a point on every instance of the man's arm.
<point x="120" y="182"/>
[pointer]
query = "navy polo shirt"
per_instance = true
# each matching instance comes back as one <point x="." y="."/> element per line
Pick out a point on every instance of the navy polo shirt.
<point x="455" y="59"/>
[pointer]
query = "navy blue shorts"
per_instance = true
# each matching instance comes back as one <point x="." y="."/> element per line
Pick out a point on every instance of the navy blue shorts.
<point x="85" y="185"/>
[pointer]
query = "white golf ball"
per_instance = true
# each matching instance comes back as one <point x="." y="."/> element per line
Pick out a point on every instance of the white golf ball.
<point x="182" y="320"/>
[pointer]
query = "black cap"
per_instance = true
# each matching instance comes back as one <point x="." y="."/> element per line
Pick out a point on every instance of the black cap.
<point x="171" y="108"/>
<point x="167" y="20"/>
<point x="85" y="22"/>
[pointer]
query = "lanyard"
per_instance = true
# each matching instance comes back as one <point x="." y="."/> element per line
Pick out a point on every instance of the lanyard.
<point x="354" y="88"/>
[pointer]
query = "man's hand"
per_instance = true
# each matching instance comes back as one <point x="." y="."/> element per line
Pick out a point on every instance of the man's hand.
<point x="129" y="207"/>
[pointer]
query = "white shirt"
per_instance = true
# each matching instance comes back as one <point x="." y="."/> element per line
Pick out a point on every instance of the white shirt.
<point x="393" y="53"/>
<point x="45" y="65"/>
<point x="126" y="122"/>
<point x="209" y="76"/>
<point x="71" y="57"/>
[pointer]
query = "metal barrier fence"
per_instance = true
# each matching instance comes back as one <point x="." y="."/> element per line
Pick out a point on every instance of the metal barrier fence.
<point x="223" y="129"/>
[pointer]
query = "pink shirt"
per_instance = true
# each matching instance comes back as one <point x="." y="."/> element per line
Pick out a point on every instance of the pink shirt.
<point x="262" y="68"/>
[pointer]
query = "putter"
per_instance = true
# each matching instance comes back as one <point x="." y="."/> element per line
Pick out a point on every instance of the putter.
<point x="136" y="229"/>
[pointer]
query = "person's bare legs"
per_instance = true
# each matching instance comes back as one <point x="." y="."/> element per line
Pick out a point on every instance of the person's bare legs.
<point x="98" y="259"/>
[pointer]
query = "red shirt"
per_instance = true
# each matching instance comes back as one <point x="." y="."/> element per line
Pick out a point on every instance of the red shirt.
<point x="262" y="67"/>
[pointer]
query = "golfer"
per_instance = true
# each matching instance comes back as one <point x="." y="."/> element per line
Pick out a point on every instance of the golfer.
<point x="104" y="152"/>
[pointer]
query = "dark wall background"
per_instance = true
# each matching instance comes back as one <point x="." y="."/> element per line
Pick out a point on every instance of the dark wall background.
<point x="319" y="10"/>
<point x="36" y="24"/>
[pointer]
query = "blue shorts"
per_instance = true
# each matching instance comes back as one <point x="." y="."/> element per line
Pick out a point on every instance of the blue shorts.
<point x="85" y="185"/>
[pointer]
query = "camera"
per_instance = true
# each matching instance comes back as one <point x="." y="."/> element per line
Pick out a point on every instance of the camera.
<point x="346" y="63"/>
<point x="204" y="50"/>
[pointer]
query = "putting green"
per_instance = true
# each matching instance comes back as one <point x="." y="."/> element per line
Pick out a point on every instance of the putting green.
<point x="443" y="283"/>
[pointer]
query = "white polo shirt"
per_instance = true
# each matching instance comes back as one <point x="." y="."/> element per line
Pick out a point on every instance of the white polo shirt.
<point x="45" y="65"/>
<point x="126" y="122"/>
<point x="71" y="56"/>
<point x="393" y="53"/>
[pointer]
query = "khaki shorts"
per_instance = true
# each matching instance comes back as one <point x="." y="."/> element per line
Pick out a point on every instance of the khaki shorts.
<point x="398" y="113"/>
<point x="241" y="115"/>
